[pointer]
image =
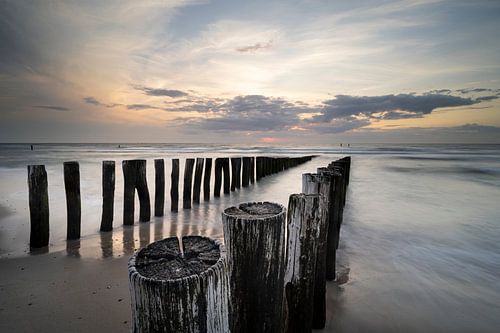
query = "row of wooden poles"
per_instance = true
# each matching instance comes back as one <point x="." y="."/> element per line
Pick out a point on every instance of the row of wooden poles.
<point x="272" y="278"/>
<point x="243" y="171"/>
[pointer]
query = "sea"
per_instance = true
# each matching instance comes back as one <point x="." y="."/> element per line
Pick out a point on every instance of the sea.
<point x="420" y="242"/>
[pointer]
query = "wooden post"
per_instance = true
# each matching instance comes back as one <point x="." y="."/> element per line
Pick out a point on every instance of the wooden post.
<point x="129" y="175"/>
<point x="143" y="193"/>
<point x="179" y="291"/>
<point x="73" y="202"/>
<point x="259" y="167"/>
<point x="319" y="184"/>
<point x="227" y="178"/>
<point x="206" y="179"/>
<point x="39" y="206"/>
<point x="134" y="177"/>
<point x="235" y="173"/>
<point x="333" y="223"/>
<point x="254" y="235"/>
<point x="245" y="179"/>
<point x="337" y="206"/>
<point x="159" y="187"/>
<point x="108" y="195"/>
<point x="174" y="187"/>
<point x="218" y="176"/>
<point x="306" y="214"/>
<point x="252" y="170"/>
<point x="188" y="181"/>
<point x="198" y="174"/>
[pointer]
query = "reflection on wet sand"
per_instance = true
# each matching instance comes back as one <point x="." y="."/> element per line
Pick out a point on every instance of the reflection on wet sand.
<point x="144" y="234"/>
<point x="107" y="244"/>
<point x="38" y="251"/>
<point x="186" y="218"/>
<point x="158" y="230"/>
<point x="73" y="248"/>
<point x="128" y="239"/>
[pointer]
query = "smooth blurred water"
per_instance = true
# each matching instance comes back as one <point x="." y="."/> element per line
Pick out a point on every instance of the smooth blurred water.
<point x="420" y="244"/>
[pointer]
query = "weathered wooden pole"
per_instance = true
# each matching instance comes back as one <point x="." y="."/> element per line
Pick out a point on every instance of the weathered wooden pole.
<point x="342" y="165"/>
<point x="333" y="223"/>
<point x="206" y="179"/>
<point x="259" y="167"/>
<point x="227" y="177"/>
<point x="254" y="235"/>
<point x="319" y="184"/>
<point x="337" y="209"/>
<point x="174" y="186"/>
<point x="198" y="174"/>
<point x="159" y="187"/>
<point x="306" y="214"/>
<point x="179" y="291"/>
<point x="218" y="176"/>
<point x="129" y="176"/>
<point x="252" y="170"/>
<point x="235" y="173"/>
<point x="142" y="192"/>
<point x="188" y="182"/>
<point x="108" y="195"/>
<point x="39" y="206"/>
<point x="245" y="173"/>
<point x="134" y="178"/>
<point x="73" y="201"/>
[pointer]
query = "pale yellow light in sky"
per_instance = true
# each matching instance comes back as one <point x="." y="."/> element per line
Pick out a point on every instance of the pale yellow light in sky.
<point x="447" y="117"/>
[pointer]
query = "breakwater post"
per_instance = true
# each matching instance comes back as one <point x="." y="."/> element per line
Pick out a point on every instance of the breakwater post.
<point x="188" y="181"/>
<point x="322" y="185"/>
<point x="108" y="195"/>
<point x="206" y="179"/>
<point x="159" y="186"/>
<point x="184" y="291"/>
<point x="73" y="201"/>
<point x="174" y="186"/>
<point x="134" y="178"/>
<point x="198" y="174"/>
<point x="306" y="218"/>
<point x="256" y="277"/>
<point x="235" y="173"/>
<point x="39" y="206"/>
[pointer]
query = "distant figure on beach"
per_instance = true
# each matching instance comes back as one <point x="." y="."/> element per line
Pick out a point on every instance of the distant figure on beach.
<point x="340" y="145"/>
<point x="348" y="145"/>
<point x="119" y="146"/>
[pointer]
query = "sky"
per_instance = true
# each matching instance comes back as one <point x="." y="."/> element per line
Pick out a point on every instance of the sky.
<point x="271" y="72"/>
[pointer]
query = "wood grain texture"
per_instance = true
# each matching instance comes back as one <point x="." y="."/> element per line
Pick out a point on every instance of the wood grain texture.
<point x="254" y="235"/>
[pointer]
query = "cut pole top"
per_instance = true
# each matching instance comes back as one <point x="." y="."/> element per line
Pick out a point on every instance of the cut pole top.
<point x="254" y="210"/>
<point x="164" y="260"/>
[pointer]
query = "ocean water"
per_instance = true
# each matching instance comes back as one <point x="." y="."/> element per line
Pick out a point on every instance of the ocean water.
<point x="420" y="243"/>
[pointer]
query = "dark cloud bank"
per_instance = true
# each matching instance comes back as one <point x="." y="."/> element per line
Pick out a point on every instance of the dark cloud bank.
<point x="256" y="113"/>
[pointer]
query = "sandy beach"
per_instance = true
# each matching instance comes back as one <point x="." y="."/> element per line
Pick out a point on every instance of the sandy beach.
<point x="61" y="292"/>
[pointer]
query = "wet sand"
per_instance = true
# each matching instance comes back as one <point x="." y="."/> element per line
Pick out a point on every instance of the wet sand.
<point x="57" y="292"/>
<point x="61" y="292"/>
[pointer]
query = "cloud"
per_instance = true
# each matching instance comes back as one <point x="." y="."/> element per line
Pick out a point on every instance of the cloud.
<point x="260" y="113"/>
<point x="142" y="107"/>
<point x="475" y="128"/>
<point x="487" y="98"/>
<point x="255" y="47"/>
<point x="162" y="92"/>
<point x="248" y="113"/>
<point x="52" y="107"/>
<point x="339" y="125"/>
<point x="441" y="91"/>
<point x="390" y="106"/>
<point x="476" y="90"/>
<point x="93" y="101"/>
